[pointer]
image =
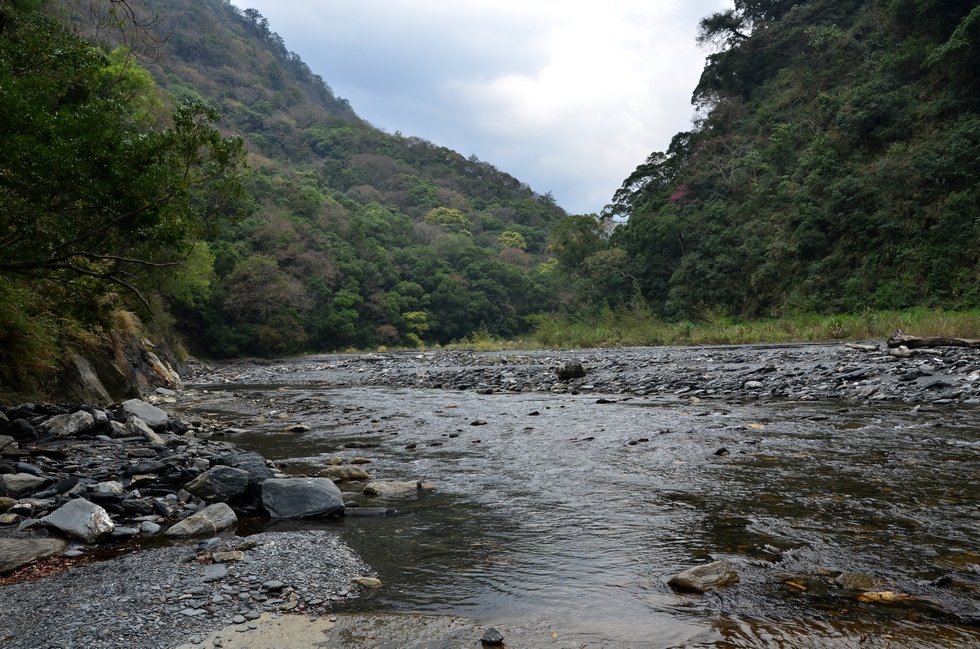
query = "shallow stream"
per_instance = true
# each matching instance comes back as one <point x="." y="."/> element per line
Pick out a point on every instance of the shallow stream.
<point x="576" y="513"/>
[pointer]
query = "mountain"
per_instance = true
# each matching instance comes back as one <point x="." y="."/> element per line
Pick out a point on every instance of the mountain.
<point x="834" y="167"/>
<point x="349" y="236"/>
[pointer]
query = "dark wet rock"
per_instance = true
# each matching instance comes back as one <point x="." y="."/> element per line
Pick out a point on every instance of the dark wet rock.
<point x="24" y="467"/>
<point x="152" y="416"/>
<point x="366" y="512"/>
<point x="492" y="638"/>
<point x="209" y="521"/>
<point x="251" y="462"/>
<point x="570" y="370"/>
<point x="219" y="484"/>
<point x="82" y="520"/>
<point x="15" y="553"/>
<point x="301" y="498"/>
<point x="20" y="430"/>
<point x="478" y="422"/>
<point x="722" y="452"/>
<point x="710" y="576"/>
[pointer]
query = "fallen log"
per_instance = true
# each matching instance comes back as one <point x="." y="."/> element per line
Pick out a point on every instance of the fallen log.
<point x="899" y="339"/>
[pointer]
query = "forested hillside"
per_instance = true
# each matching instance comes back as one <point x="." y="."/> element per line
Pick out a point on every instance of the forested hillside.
<point x="834" y="167"/>
<point x="350" y="237"/>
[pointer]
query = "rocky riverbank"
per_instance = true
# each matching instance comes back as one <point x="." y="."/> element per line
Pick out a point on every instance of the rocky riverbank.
<point x="808" y="372"/>
<point x="82" y="484"/>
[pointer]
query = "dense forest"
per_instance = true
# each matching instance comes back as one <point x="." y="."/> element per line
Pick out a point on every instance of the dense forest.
<point x="834" y="167"/>
<point x="175" y="159"/>
<point x="348" y="236"/>
<point x="298" y="226"/>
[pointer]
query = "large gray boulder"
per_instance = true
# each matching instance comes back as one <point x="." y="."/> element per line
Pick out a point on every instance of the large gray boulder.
<point x="69" y="425"/>
<point x="710" y="576"/>
<point x="82" y="520"/>
<point x="219" y="484"/>
<point x="301" y="497"/>
<point x="13" y="484"/>
<point x="209" y="521"/>
<point x="15" y="553"/>
<point x="154" y="417"/>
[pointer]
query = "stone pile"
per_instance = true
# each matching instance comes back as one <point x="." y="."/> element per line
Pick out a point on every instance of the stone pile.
<point x="90" y="475"/>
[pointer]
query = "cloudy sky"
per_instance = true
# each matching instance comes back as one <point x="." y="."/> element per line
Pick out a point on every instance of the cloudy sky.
<point x="568" y="97"/>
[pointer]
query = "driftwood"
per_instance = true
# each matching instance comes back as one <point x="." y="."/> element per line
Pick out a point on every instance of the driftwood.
<point x="899" y="339"/>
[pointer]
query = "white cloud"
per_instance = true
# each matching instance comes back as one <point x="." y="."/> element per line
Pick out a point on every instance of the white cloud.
<point x="568" y="97"/>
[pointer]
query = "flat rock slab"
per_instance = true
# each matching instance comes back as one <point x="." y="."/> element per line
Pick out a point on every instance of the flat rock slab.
<point x="700" y="579"/>
<point x="12" y="484"/>
<point x="154" y="417"/>
<point x="301" y="497"/>
<point x="15" y="553"/>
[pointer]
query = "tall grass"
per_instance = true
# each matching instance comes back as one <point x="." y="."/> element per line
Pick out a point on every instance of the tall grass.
<point x="639" y="327"/>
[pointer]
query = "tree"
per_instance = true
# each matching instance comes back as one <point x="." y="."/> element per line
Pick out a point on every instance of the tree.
<point x="92" y="183"/>
<point x="451" y="220"/>
<point x="512" y="240"/>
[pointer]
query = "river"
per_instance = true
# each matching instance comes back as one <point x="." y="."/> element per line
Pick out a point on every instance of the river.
<point x="574" y="510"/>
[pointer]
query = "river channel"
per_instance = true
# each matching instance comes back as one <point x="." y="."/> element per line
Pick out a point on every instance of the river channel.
<point x="561" y="510"/>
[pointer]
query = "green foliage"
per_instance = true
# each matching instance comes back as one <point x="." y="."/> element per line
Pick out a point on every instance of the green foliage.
<point x="92" y="186"/>
<point x="511" y="239"/>
<point x="833" y="169"/>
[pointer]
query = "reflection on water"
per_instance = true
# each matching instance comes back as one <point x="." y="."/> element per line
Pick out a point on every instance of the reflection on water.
<point x="579" y="514"/>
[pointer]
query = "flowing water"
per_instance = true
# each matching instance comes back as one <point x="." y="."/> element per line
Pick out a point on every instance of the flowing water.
<point x="564" y="510"/>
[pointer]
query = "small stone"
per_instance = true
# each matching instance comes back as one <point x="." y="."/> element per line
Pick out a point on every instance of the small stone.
<point x="492" y="638"/>
<point x="215" y="572"/>
<point x="149" y="527"/>
<point x="700" y="579"/>
<point x="273" y="585"/>
<point x="193" y="612"/>
<point x="856" y="581"/>
<point x="228" y="556"/>
<point x="238" y="619"/>
<point x="478" y="422"/>
<point x="367" y="582"/>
